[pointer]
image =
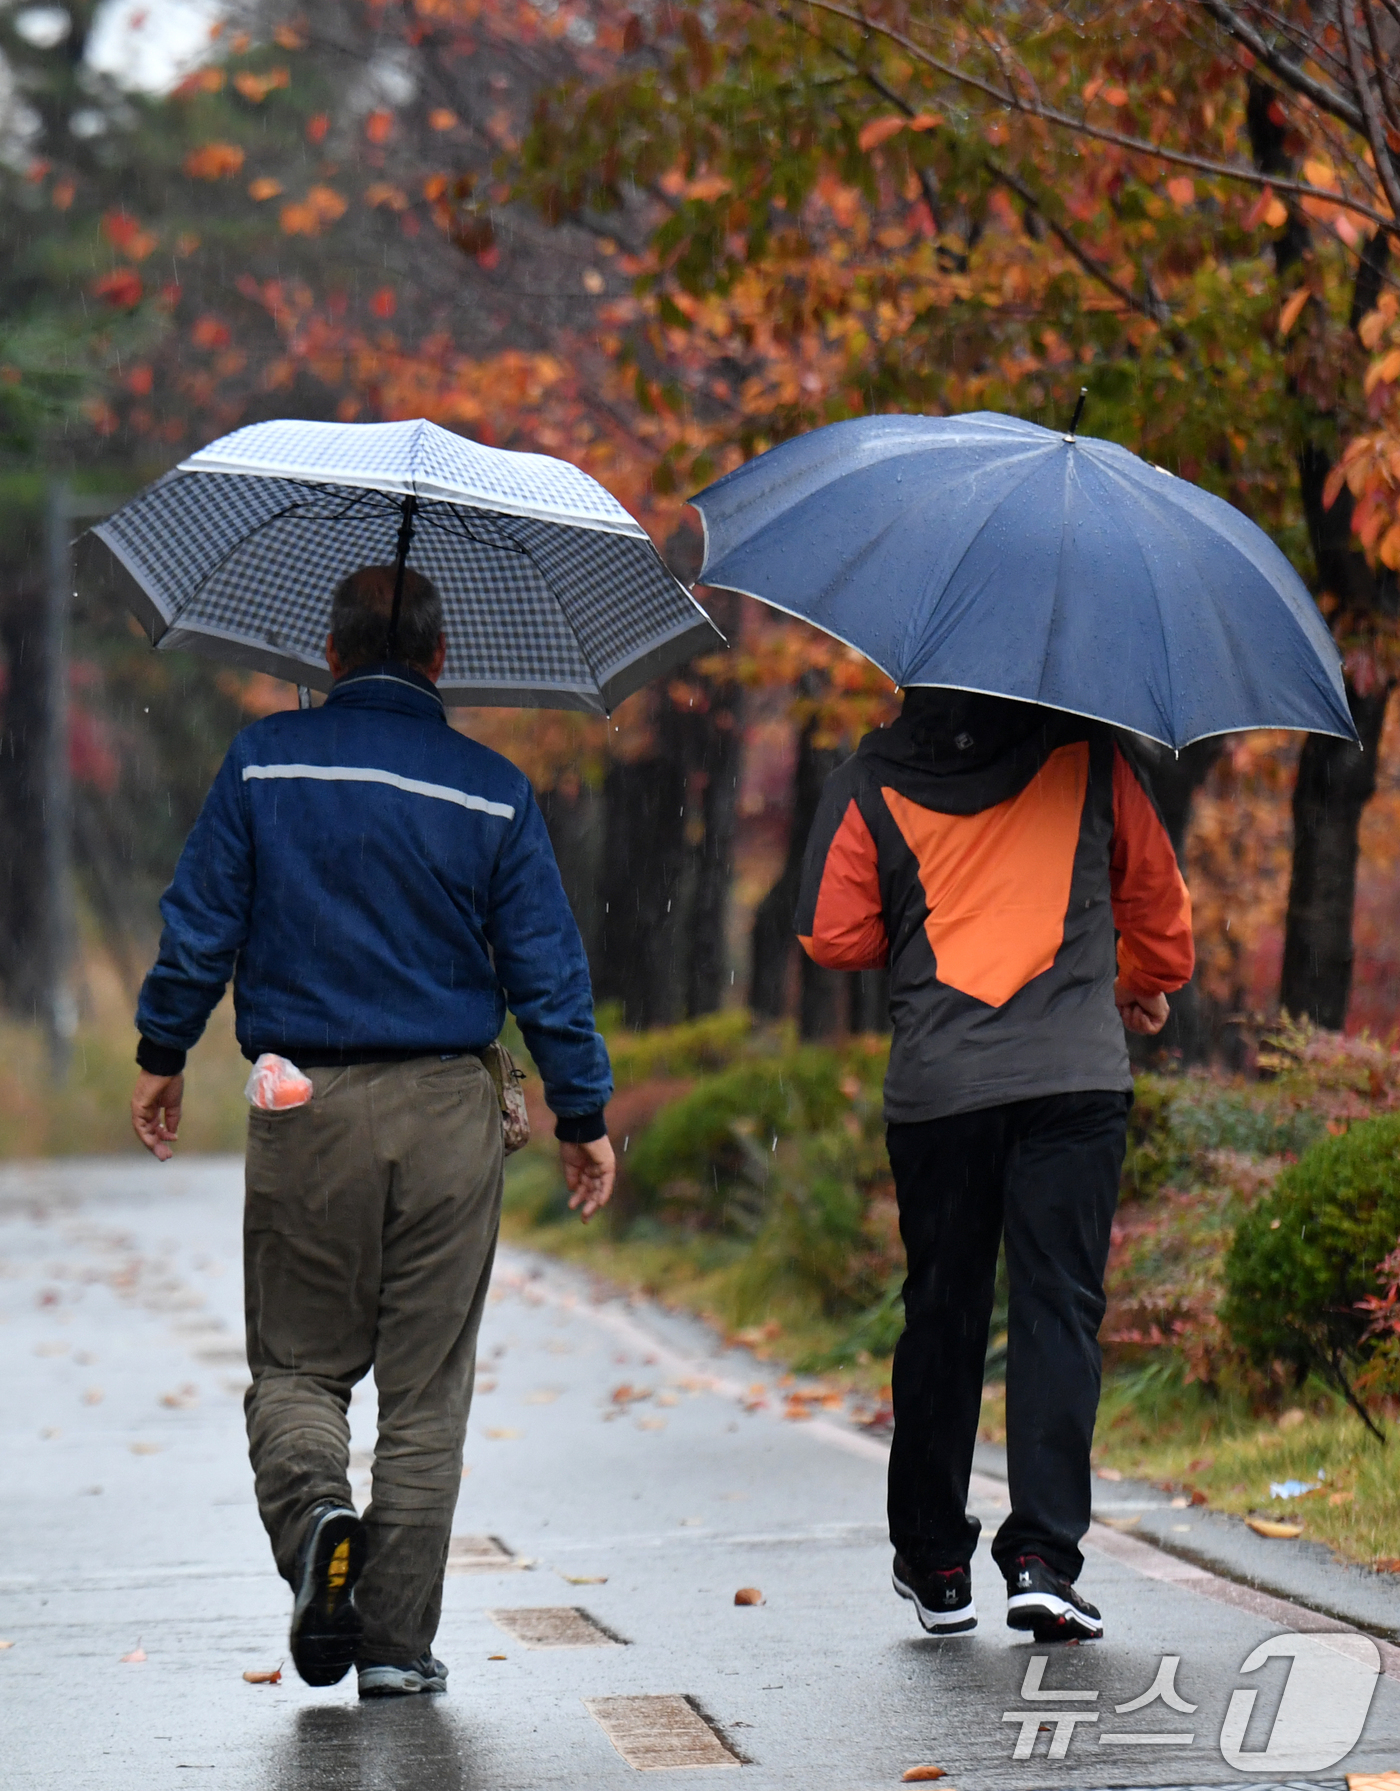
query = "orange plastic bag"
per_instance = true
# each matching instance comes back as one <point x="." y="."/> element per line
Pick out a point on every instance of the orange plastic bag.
<point x="276" y="1082"/>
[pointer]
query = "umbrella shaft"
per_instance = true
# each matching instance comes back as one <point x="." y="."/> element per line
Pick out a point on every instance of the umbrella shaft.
<point x="410" y="504"/>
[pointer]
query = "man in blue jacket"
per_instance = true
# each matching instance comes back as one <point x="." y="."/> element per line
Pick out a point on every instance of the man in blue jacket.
<point x="380" y="888"/>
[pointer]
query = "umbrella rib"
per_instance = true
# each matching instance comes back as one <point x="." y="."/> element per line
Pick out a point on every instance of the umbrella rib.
<point x="1223" y="538"/>
<point x="1070" y="465"/>
<point x="1034" y="452"/>
<point x="431" y="514"/>
<point x="524" y="552"/>
<point x="1129" y="522"/>
<point x="266" y="523"/>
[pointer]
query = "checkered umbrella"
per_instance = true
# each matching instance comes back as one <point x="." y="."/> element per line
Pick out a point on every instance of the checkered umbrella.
<point x="553" y="595"/>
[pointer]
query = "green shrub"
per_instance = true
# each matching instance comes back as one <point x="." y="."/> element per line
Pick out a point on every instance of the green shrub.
<point x="696" y="1047"/>
<point x="711" y="1151"/>
<point x="872" y="1336"/>
<point x="1308" y="1252"/>
<point x="1153" y="1157"/>
<point x="1205" y="1118"/>
<point x="1174" y="1121"/>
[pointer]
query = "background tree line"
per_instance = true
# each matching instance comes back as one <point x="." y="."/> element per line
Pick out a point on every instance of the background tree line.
<point x="655" y="239"/>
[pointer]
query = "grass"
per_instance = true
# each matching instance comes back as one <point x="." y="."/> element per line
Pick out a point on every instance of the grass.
<point x="88" y="1114"/>
<point x="1219" y="1446"/>
<point x="708" y="1274"/>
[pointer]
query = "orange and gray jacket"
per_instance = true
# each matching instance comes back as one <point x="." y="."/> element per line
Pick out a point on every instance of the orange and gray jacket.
<point x="994" y="894"/>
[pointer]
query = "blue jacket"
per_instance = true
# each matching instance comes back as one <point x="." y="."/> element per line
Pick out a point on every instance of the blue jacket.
<point x="377" y="885"/>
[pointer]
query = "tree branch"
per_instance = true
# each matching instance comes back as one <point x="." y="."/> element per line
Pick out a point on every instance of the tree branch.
<point x="1379" y="61"/>
<point x="1375" y="128"/>
<point x="1283" y="66"/>
<point x="1136" y="145"/>
<point x="1154" y="311"/>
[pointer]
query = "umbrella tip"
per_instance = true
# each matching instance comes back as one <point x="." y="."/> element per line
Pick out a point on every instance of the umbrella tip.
<point x="1078" y="412"/>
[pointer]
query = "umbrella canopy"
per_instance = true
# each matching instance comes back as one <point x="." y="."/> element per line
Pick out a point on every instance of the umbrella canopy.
<point x="983" y="553"/>
<point x="553" y="596"/>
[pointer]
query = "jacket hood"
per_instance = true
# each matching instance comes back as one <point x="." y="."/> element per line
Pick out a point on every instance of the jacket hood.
<point x="959" y="751"/>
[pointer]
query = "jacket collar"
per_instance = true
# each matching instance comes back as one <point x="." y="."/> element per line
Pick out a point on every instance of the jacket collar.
<point x="898" y="757"/>
<point x="389" y="685"/>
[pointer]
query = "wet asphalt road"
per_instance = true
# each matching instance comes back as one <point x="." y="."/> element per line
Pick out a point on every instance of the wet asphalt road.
<point x="129" y="1527"/>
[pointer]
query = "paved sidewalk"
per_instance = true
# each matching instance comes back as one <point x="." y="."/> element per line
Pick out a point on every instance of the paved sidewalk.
<point x="130" y="1527"/>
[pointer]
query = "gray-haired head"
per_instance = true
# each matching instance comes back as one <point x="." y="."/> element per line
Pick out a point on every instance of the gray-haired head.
<point x="360" y="616"/>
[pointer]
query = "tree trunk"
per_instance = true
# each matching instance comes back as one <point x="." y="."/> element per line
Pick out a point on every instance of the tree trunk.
<point x="22" y="734"/>
<point x="1335" y="779"/>
<point x="773" y="941"/>
<point x="1175" y="778"/>
<point x="1335" y="782"/>
<point x="716" y="764"/>
<point x="643" y="866"/>
<point x="573" y="813"/>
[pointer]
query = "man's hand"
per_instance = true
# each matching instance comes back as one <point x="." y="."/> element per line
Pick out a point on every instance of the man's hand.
<point x="589" y="1169"/>
<point x="155" y="1111"/>
<point x="1146" y="1014"/>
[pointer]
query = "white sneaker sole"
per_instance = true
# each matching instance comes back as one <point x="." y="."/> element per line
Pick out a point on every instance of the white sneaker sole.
<point x="1025" y="1610"/>
<point x="960" y="1622"/>
<point x="396" y="1682"/>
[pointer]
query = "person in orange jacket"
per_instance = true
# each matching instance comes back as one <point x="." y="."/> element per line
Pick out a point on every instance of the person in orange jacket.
<point x="988" y="852"/>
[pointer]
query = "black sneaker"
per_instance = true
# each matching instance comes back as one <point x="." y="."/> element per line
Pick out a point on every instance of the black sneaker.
<point x="943" y="1600"/>
<point x="427" y="1674"/>
<point x="325" y="1624"/>
<point x="1039" y="1600"/>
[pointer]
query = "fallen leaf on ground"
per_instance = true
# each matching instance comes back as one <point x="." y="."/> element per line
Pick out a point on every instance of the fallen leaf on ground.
<point x="667" y="1399"/>
<point x="1373" y="1781"/>
<point x="586" y="1579"/>
<point x="93" y="1396"/>
<point x="503" y="1435"/>
<point x="651" y="1424"/>
<point x="1388" y="1564"/>
<point x="265" y="1676"/>
<point x="1268" y="1526"/>
<point x="180" y="1400"/>
<point x="754" y="1335"/>
<point x="138" y="1653"/>
<point x="748" y="1595"/>
<point x="880" y="1417"/>
<point x="6" y="1644"/>
<point x="917" y="1774"/>
<point x="145" y="1448"/>
<point x="541" y="1396"/>
<point x="627" y="1394"/>
<point x="1120" y="1523"/>
<point x="495" y="1657"/>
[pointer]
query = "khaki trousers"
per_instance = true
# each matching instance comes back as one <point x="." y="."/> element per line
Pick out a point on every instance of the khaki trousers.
<point x="369" y="1232"/>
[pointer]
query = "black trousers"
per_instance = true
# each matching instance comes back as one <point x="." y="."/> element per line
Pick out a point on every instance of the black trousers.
<point x="1045" y="1174"/>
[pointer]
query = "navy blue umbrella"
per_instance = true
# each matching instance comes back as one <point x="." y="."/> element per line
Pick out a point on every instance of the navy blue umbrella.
<point x="984" y="553"/>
